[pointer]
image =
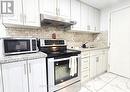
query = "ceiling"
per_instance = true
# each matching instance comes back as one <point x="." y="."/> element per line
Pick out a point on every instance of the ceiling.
<point x="103" y="3"/>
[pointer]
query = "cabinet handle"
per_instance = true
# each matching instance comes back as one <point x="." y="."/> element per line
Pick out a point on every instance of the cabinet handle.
<point x="56" y="11"/>
<point x="24" y="18"/>
<point x="86" y="76"/>
<point x="86" y="61"/>
<point x="95" y="28"/>
<point x="88" y="27"/>
<point x="21" y="18"/>
<point x="97" y="59"/>
<point x="85" y="68"/>
<point x="29" y="68"/>
<point x="25" y="69"/>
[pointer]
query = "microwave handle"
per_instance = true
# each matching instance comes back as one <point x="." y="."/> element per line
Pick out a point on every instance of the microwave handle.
<point x="56" y="60"/>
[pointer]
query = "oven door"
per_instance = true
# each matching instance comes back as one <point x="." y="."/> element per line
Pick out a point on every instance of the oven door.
<point x="63" y="72"/>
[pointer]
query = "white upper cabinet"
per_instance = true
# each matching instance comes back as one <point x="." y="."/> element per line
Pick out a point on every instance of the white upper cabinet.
<point x="84" y="17"/>
<point x="75" y="14"/>
<point x="48" y="7"/>
<point x="1" y="88"/>
<point x="64" y="8"/>
<point x="97" y="20"/>
<point x="31" y="13"/>
<point x="94" y="19"/>
<point x="59" y="8"/>
<point x="17" y="17"/>
<point x="37" y="75"/>
<point x="91" y="18"/>
<point x="15" y="77"/>
<point x="26" y="13"/>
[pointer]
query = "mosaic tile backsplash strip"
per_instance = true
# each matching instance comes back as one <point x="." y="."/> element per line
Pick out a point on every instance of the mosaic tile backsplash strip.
<point x="73" y="39"/>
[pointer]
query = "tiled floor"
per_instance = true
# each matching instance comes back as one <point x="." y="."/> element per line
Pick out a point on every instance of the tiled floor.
<point x="107" y="82"/>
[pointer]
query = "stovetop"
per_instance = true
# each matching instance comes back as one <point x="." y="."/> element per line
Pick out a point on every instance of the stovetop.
<point x="64" y="53"/>
<point x="56" y="48"/>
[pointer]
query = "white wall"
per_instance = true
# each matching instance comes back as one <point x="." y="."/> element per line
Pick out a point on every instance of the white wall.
<point x="105" y="17"/>
<point x="105" y="14"/>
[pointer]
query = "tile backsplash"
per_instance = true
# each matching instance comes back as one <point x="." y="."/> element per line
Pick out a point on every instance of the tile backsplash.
<point x="73" y="39"/>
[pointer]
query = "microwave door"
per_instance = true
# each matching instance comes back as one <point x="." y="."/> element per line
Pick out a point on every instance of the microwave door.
<point x="15" y="46"/>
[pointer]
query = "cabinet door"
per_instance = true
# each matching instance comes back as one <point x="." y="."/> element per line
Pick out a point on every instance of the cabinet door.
<point x="15" y="77"/>
<point x="31" y="13"/>
<point x="104" y="62"/>
<point x="37" y="75"/>
<point x="98" y="64"/>
<point x="97" y="20"/>
<point x="17" y="17"/>
<point x="75" y="14"/>
<point x="93" y="66"/>
<point x="64" y="8"/>
<point x="91" y="18"/>
<point x="1" y="87"/>
<point x="48" y="7"/>
<point x="84" y="17"/>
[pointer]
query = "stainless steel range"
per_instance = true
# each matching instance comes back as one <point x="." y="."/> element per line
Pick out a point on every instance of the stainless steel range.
<point x="63" y="66"/>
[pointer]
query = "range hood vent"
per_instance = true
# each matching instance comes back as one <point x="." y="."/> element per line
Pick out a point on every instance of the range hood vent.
<point x="55" y="21"/>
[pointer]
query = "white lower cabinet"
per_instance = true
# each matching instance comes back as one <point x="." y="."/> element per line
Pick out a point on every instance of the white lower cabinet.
<point x="98" y="62"/>
<point x="25" y="76"/>
<point x="37" y="75"/>
<point x="1" y="87"/>
<point x="105" y="61"/>
<point x="93" y="66"/>
<point x="84" y="67"/>
<point x="93" y="63"/>
<point x="15" y="77"/>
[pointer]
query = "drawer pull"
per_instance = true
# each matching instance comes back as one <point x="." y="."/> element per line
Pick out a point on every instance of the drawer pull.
<point x="85" y="61"/>
<point x="85" y="68"/>
<point x="85" y="76"/>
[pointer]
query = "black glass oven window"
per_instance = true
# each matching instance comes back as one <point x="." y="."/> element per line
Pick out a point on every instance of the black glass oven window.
<point x="16" y="45"/>
<point x="62" y="71"/>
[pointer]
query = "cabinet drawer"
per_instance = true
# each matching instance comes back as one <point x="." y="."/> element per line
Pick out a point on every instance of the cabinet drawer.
<point x="96" y="52"/>
<point x="85" y="64"/>
<point x="84" y="54"/>
<point x="84" y="75"/>
<point x="85" y="60"/>
<point x="85" y="68"/>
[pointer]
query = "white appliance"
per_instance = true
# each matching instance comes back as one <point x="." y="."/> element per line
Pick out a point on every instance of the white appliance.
<point x="120" y="42"/>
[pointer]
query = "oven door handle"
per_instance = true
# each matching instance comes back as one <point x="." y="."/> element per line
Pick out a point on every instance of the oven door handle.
<point x="56" y="60"/>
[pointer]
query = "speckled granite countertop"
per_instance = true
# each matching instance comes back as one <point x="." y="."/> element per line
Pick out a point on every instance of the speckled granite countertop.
<point x="23" y="57"/>
<point x="90" y="49"/>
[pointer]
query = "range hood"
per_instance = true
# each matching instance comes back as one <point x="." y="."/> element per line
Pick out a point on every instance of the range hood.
<point x="55" y="21"/>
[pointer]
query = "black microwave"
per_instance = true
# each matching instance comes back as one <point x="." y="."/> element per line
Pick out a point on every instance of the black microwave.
<point x="18" y="45"/>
